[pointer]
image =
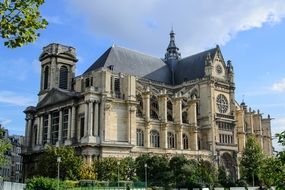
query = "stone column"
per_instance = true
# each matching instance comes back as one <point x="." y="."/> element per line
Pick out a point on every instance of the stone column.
<point x="192" y="112"/>
<point x="146" y="135"/>
<point x="177" y="111"/>
<point x="163" y="106"/>
<point x="41" y="130"/>
<point x="96" y="119"/>
<point x="49" y="128"/>
<point x="86" y="119"/>
<point x="163" y="139"/>
<point x="90" y="118"/>
<point x="59" y="141"/>
<point x="146" y="104"/>
<point x="89" y="160"/>
<point x="38" y="130"/>
<point x="132" y="124"/>
<point x="193" y="138"/>
<point x="179" y="138"/>
<point x="28" y="131"/>
<point x="72" y="123"/>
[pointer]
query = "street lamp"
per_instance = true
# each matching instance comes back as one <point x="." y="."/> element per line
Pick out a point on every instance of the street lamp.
<point x="58" y="159"/>
<point x="145" y="175"/>
<point x="118" y="163"/>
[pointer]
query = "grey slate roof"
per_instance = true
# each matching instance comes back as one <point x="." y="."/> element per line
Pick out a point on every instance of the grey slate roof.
<point x="192" y="67"/>
<point x="153" y="68"/>
<point x="134" y="63"/>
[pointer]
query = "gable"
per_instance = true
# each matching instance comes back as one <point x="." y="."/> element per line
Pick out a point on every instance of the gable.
<point x="56" y="96"/>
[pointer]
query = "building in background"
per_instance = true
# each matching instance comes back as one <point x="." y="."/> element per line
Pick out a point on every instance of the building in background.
<point x="130" y="103"/>
<point x="12" y="171"/>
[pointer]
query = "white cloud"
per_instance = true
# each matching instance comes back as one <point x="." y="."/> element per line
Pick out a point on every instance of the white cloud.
<point x="199" y="24"/>
<point x="279" y="86"/>
<point x="12" y="98"/>
<point x="278" y="125"/>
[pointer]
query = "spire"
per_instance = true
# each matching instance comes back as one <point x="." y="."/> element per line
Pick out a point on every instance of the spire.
<point x="172" y="50"/>
<point x="172" y="54"/>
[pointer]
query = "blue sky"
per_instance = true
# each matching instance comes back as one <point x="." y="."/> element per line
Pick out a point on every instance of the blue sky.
<point x="250" y="33"/>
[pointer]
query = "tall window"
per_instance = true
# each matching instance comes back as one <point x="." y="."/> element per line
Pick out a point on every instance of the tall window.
<point x="185" y="142"/>
<point x="45" y="128"/>
<point x="82" y="127"/>
<point x="64" y="124"/>
<point x="35" y="131"/>
<point x="87" y="82"/>
<point x="154" y="139"/>
<point x="63" y="77"/>
<point x="46" y="77"/>
<point x="154" y="107"/>
<point x="139" y="112"/>
<point x="140" y="137"/>
<point x="169" y="111"/>
<point x="170" y="140"/>
<point x="117" y="88"/>
<point x="54" y="127"/>
<point x="184" y="117"/>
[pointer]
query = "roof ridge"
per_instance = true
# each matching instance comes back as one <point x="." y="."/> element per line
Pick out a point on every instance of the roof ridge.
<point x="136" y="51"/>
<point x="199" y="53"/>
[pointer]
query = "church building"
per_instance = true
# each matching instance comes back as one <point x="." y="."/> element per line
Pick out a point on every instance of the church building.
<point x="128" y="103"/>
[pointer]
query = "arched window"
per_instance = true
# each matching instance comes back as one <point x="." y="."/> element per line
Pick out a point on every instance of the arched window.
<point x="185" y="142"/>
<point x="63" y="77"/>
<point x="154" y="139"/>
<point x="140" y="137"/>
<point x="170" y="140"/>
<point x="169" y="111"/>
<point x="139" y="106"/>
<point x="184" y="117"/>
<point x="46" y="77"/>
<point x="154" y="107"/>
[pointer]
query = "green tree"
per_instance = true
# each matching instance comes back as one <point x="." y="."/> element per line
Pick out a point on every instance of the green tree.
<point x="159" y="173"/>
<point x="269" y="170"/>
<point x="177" y="165"/>
<point x="280" y="171"/>
<point x="225" y="180"/>
<point x="140" y="165"/>
<point x="20" y="21"/>
<point x="69" y="166"/>
<point x="107" y="168"/>
<point x="4" y="147"/>
<point x="127" y="169"/>
<point x="251" y="161"/>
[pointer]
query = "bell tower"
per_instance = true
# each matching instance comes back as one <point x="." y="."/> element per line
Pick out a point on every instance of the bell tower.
<point x="57" y="68"/>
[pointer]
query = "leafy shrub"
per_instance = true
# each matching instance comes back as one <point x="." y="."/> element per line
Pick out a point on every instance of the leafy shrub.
<point x="43" y="183"/>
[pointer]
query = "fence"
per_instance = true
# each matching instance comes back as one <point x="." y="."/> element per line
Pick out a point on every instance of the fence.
<point x="5" y="185"/>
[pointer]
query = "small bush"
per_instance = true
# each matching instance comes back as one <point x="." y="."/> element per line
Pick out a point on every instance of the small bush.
<point x="43" y="183"/>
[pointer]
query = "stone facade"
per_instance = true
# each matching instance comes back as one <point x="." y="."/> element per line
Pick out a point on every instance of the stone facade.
<point x="128" y="103"/>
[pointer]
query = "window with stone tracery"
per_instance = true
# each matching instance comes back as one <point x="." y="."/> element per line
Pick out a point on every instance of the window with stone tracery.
<point x="45" y="128"/>
<point x="154" y="107"/>
<point x="64" y="124"/>
<point x="169" y="111"/>
<point x="170" y="140"/>
<point x="185" y="142"/>
<point x="54" y="127"/>
<point x="140" y="137"/>
<point x="154" y="139"/>
<point x="139" y="112"/>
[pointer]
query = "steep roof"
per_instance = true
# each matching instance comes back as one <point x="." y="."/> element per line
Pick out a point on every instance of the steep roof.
<point x="134" y="63"/>
<point x="192" y="67"/>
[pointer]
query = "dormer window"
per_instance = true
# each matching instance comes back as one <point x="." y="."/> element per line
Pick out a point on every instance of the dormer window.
<point x="111" y="67"/>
